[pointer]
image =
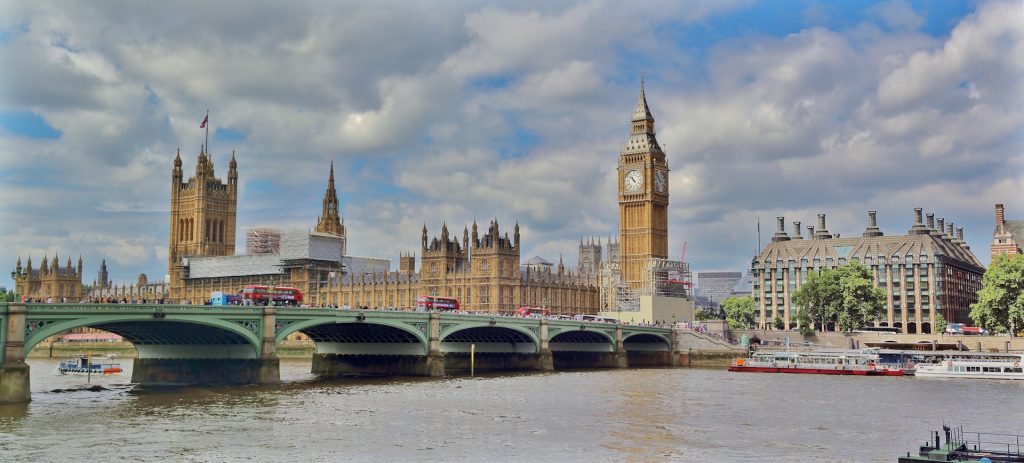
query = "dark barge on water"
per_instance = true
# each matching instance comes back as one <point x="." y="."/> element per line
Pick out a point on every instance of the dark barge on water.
<point x="965" y="446"/>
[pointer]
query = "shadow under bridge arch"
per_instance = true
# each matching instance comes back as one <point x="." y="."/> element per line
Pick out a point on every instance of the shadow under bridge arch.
<point x="646" y="342"/>
<point x="364" y="339"/>
<point x="182" y="340"/>
<point x="581" y="341"/>
<point x="490" y="339"/>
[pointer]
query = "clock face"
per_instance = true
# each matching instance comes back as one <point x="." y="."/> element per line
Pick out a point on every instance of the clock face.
<point x="634" y="180"/>
<point x="661" y="181"/>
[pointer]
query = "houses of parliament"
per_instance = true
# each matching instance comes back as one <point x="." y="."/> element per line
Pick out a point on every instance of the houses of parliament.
<point x="483" y="269"/>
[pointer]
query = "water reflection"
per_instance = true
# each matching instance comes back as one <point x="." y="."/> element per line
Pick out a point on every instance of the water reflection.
<point x="603" y="415"/>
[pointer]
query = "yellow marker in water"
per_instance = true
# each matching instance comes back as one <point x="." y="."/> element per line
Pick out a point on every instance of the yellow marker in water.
<point x="472" y="359"/>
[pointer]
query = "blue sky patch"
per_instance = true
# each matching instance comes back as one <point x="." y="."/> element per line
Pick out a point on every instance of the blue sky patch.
<point x="28" y="124"/>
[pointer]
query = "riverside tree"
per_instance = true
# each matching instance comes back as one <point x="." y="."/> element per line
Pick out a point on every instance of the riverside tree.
<point x="1000" y="306"/>
<point x="844" y="297"/>
<point x="739" y="311"/>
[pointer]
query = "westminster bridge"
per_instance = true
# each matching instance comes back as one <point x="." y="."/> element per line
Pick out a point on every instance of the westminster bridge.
<point x="233" y="345"/>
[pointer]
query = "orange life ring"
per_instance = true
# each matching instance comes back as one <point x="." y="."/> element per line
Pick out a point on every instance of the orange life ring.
<point x="1016" y="364"/>
<point x="949" y="364"/>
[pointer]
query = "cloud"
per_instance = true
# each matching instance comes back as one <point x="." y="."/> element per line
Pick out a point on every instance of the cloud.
<point x="448" y="112"/>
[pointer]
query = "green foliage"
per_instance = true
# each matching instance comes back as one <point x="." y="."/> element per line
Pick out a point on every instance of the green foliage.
<point x="704" y="315"/>
<point x="806" y="326"/>
<point x="9" y="296"/>
<point x="1000" y="306"/>
<point x="779" y="323"/>
<point x="939" y="324"/>
<point x="739" y="311"/>
<point x="844" y="296"/>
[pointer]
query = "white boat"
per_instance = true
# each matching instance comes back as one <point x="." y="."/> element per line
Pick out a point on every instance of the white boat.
<point x="973" y="365"/>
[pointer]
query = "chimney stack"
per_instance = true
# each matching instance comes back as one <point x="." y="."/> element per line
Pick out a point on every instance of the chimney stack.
<point x="810" y="232"/>
<point x="796" y="231"/>
<point x="822" y="232"/>
<point x="950" y="234"/>
<point x="940" y="228"/>
<point x="1000" y="218"/>
<point x="960" y="233"/>
<point x="918" y="228"/>
<point x="780" y="230"/>
<point x="931" y="220"/>
<point x="872" y="229"/>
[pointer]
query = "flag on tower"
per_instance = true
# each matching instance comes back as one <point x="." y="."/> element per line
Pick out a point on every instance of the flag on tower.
<point x="203" y="125"/>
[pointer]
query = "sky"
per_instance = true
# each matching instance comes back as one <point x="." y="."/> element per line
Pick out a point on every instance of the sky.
<point x="446" y="112"/>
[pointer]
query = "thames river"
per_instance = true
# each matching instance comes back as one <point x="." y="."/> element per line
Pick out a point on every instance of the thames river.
<point x="663" y="414"/>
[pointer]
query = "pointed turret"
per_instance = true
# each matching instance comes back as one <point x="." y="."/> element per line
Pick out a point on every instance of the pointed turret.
<point x="476" y="236"/>
<point x="516" y="234"/>
<point x="44" y="268"/>
<point x="329" y="221"/>
<point x="561" y="265"/>
<point x="79" y="264"/>
<point x="642" y="111"/>
<point x="176" y="174"/>
<point x="28" y="265"/>
<point x="233" y="173"/>
<point x="423" y="238"/>
<point x="465" y="237"/>
<point x="17" y="268"/>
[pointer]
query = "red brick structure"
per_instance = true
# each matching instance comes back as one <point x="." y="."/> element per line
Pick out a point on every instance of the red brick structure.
<point x="1008" y="236"/>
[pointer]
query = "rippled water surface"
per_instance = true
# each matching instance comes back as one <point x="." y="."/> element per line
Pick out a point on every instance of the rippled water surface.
<point x="670" y="414"/>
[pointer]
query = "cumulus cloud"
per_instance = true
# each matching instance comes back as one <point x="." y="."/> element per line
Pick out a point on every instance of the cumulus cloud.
<point x="446" y="113"/>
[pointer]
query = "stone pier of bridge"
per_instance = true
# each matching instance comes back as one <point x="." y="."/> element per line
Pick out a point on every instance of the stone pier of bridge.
<point x="14" y="379"/>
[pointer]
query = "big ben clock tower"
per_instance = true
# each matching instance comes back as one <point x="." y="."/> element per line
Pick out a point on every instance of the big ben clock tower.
<point x="643" y="196"/>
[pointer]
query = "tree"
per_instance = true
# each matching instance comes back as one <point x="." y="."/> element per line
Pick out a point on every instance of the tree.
<point x="806" y="325"/>
<point x="844" y="296"/>
<point x="779" y="323"/>
<point x="939" y="323"/>
<point x="1000" y="306"/>
<point x="739" y="311"/>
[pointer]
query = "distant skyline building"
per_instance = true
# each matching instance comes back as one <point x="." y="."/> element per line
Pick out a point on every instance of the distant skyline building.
<point x="927" y="271"/>
<point x="1008" y="237"/>
<point x="716" y="286"/>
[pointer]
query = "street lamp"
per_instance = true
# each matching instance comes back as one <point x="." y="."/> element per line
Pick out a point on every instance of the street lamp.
<point x="270" y="293"/>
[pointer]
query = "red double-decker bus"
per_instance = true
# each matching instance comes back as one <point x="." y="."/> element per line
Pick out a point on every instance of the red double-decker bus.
<point x="426" y="303"/>
<point x="262" y="295"/>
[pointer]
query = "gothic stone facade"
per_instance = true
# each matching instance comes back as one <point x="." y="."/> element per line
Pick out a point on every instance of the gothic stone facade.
<point x="485" y="274"/>
<point x="50" y="280"/>
<point x="927" y="271"/>
<point x="643" y="196"/>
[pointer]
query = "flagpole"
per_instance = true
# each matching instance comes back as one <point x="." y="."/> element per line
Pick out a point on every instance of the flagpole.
<point x="207" y="119"/>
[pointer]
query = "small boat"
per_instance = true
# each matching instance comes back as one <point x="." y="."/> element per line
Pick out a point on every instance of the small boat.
<point x="975" y="365"/>
<point x="84" y="364"/>
<point x="817" y="363"/>
<point x="968" y="446"/>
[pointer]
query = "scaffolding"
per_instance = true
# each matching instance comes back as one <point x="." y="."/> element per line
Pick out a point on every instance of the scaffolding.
<point x="668" y="278"/>
<point x="262" y="241"/>
<point x="616" y="295"/>
<point x="661" y="277"/>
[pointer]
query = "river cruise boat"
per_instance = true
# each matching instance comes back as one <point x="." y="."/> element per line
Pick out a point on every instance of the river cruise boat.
<point x="817" y="363"/>
<point x="85" y="364"/>
<point x="977" y="365"/>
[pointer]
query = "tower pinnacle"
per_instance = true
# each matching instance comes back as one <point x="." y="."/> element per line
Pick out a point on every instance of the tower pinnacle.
<point x="330" y="222"/>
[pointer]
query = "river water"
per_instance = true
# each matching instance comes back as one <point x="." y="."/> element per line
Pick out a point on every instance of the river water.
<point x="660" y="414"/>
